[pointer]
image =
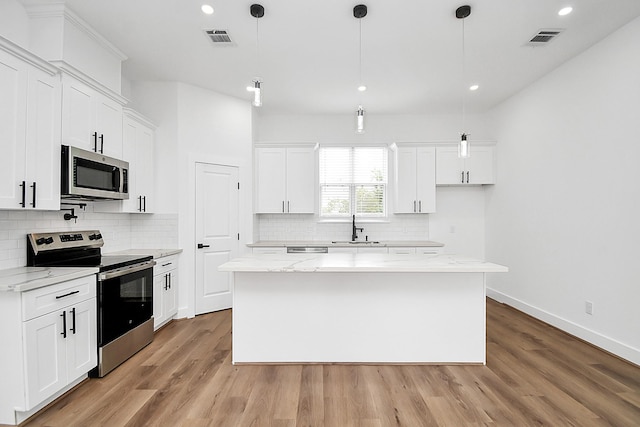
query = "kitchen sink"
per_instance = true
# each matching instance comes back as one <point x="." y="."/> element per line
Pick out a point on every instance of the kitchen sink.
<point x="367" y="242"/>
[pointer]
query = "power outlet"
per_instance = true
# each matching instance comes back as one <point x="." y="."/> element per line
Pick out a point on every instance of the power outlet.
<point x="588" y="307"/>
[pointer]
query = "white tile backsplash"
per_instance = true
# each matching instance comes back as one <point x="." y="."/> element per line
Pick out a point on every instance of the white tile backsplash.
<point x="120" y="231"/>
<point x="308" y="227"/>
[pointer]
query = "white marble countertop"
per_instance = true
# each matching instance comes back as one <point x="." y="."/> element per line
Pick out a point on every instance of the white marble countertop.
<point x="389" y="263"/>
<point x="22" y="279"/>
<point x="155" y="253"/>
<point x="344" y="243"/>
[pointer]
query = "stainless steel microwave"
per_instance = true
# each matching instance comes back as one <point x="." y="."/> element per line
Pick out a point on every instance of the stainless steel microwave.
<point x="93" y="176"/>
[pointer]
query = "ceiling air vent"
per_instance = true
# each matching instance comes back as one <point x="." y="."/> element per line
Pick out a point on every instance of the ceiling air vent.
<point x="219" y="38"/>
<point x="543" y="37"/>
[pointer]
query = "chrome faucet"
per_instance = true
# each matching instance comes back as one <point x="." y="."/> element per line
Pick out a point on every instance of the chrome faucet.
<point x="354" y="230"/>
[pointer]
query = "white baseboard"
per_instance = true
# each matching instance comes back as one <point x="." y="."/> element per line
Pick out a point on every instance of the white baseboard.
<point x="608" y="344"/>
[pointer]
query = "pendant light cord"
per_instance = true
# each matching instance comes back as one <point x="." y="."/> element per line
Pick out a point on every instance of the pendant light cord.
<point x="360" y="49"/>
<point x="464" y="78"/>
<point x="257" y="47"/>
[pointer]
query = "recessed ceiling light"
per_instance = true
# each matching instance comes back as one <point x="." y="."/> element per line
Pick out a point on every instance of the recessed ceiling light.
<point x="565" y="11"/>
<point x="362" y="88"/>
<point x="473" y="87"/>
<point x="207" y="9"/>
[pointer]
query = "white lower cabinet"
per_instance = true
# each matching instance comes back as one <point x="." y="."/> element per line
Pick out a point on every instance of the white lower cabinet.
<point x="270" y="250"/>
<point x="372" y="250"/>
<point x="402" y="251"/>
<point x="52" y="334"/>
<point x="339" y="250"/>
<point x="429" y="250"/>
<point x="420" y="250"/>
<point x="165" y="290"/>
<point x="56" y="354"/>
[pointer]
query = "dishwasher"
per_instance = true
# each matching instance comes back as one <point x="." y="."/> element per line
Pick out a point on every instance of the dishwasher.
<point x="307" y="249"/>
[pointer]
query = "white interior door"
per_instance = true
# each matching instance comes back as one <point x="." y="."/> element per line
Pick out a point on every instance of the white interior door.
<point x="216" y="234"/>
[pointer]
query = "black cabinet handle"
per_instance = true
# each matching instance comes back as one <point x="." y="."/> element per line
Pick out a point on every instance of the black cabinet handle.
<point x="420" y="206"/>
<point x="414" y="206"/>
<point x="33" y="202"/>
<point x="462" y="177"/>
<point x="144" y="206"/>
<point x="288" y="207"/>
<point x="101" y="143"/>
<point x="24" y="193"/>
<point x="73" y="320"/>
<point x="139" y="203"/>
<point x="467" y="177"/>
<point x="200" y="246"/>
<point x="169" y="263"/>
<point x="283" y="206"/>
<point x="169" y="280"/>
<point x="64" y="324"/>
<point x="66" y="295"/>
<point x="95" y="141"/>
<point x="166" y="281"/>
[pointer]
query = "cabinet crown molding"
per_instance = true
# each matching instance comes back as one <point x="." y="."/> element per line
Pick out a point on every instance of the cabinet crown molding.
<point x="20" y="52"/>
<point x="72" y="71"/>
<point x="60" y="10"/>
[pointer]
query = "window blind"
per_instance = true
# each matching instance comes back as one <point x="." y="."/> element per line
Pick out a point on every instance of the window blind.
<point x="353" y="180"/>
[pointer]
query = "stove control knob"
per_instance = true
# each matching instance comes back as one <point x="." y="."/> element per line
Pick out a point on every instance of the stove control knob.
<point x="48" y="240"/>
<point x="95" y="236"/>
<point x="41" y="241"/>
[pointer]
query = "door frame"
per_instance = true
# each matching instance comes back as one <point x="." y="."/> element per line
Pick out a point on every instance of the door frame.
<point x="187" y="221"/>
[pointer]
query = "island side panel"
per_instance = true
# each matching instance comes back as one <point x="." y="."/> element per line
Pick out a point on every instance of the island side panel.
<point x="359" y="317"/>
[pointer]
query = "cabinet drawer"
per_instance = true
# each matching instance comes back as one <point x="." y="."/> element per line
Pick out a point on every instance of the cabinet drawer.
<point x="269" y="250"/>
<point x="50" y="298"/>
<point x="429" y="250"/>
<point x="165" y="264"/>
<point x="402" y="251"/>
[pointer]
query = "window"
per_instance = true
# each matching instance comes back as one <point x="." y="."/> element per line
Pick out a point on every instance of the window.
<point x="353" y="181"/>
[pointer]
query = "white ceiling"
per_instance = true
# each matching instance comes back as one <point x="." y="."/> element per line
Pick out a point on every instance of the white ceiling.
<point x="411" y="49"/>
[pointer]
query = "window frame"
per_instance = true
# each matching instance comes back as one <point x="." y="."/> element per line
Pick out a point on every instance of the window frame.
<point x="353" y="186"/>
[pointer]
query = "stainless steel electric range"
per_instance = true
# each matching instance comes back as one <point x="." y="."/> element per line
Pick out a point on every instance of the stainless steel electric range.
<point x="125" y="290"/>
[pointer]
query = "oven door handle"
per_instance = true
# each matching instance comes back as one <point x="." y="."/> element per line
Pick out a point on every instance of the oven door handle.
<point x="125" y="270"/>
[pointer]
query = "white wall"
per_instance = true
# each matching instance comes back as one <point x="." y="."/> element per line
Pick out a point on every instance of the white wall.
<point x="459" y="220"/>
<point x="14" y="22"/>
<point x="378" y="128"/>
<point x="195" y="124"/>
<point x="564" y="215"/>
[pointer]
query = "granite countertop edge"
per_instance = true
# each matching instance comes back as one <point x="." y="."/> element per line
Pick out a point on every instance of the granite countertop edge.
<point x="21" y="279"/>
<point x="155" y="253"/>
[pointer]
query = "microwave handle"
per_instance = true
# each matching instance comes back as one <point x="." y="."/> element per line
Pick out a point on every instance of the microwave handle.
<point x="116" y="178"/>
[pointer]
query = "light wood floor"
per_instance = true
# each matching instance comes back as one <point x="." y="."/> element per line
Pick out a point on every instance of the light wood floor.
<point x="535" y="375"/>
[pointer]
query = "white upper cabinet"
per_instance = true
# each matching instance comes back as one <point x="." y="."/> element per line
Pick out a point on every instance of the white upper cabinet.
<point x="415" y="188"/>
<point x="138" y="150"/>
<point x="30" y="133"/>
<point x="285" y="179"/>
<point x="90" y="119"/>
<point x="477" y="169"/>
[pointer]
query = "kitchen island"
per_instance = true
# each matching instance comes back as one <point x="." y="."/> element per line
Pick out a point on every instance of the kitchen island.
<point x="359" y="308"/>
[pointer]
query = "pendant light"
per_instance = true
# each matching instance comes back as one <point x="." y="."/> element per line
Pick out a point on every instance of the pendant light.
<point x="463" y="146"/>
<point x="257" y="11"/>
<point x="360" y="119"/>
<point x="359" y="12"/>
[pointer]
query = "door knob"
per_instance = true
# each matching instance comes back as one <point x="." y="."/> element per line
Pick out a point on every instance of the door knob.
<point x="200" y="246"/>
